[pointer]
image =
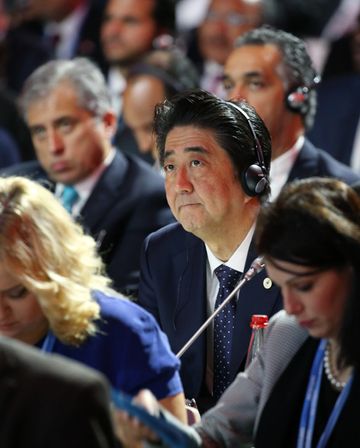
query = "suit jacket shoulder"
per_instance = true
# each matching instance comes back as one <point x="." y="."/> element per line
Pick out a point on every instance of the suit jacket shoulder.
<point x="316" y="162"/>
<point x="126" y="205"/>
<point x="30" y="380"/>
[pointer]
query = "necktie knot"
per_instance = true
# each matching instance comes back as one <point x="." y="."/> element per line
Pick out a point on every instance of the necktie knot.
<point x="69" y="197"/>
<point x="228" y="277"/>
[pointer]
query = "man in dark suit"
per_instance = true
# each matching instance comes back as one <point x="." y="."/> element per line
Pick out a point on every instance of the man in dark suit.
<point x="273" y="72"/>
<point x="117" y="198"/>
<point x="216" y="157"/>
<point x="49" y="30"/>
<point x="48" y="401"/>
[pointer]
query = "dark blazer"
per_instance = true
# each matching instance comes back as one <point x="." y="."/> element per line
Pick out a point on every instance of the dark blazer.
<point x="13" y="122"/>
<point x="48" y="401"/>
<point x="127" y="204"/>
<point x="27" y="47"/>
<point x="337" y="116"/>
<point x="316" y="162"/>
<point x="173" y="289"/>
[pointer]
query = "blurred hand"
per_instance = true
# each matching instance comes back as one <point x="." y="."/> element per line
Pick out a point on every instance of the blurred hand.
<point x="131" y="432"/>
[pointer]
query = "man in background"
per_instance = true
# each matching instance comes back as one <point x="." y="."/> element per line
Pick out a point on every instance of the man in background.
<point x="128" y="31"/>
<point x="161" y="74"/>
<point x="212" y="42"/>
<point x="118" y="199"/>
<point x="44" y="30"/>
<point x="272" y="71"/>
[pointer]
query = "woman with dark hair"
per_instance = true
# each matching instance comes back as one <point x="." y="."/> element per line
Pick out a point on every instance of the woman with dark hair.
<point x="303" y="387"/>
<point x="310" y="238"/>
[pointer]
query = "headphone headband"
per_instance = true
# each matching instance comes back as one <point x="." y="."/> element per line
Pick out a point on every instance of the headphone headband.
<point x="255" y="178"/>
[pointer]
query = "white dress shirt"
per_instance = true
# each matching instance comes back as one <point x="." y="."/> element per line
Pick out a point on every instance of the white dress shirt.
<point x="280" y="167"/>
<point x="67" y="31"/>
<point x="116" y="83"/>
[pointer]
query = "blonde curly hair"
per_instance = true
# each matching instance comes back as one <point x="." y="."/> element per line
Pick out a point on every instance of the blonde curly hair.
<point x="51" y="256"/>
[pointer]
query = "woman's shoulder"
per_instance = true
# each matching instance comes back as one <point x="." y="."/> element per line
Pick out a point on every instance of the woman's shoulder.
<point x="283" y="321"/>
<point x="283" y="329"/>
<point x="116" y="307"/>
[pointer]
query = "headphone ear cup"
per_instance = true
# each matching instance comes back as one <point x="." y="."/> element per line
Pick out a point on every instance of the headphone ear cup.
<point x="254" y="180"/>
<point x="297" y="100"/>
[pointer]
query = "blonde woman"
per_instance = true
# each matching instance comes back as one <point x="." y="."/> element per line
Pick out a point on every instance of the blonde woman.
<point x="54" y="295"/>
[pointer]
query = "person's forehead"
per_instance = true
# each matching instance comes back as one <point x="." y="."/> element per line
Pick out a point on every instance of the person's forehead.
<point x="136" y="8"/>
<point x="255" y="54"/>
<point x="188" y="138"/>
<point x="242" y="6"/>
<point x="63" y="93"/>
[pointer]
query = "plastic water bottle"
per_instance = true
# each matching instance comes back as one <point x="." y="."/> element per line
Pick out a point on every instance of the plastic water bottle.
<point x="258" y="324"/>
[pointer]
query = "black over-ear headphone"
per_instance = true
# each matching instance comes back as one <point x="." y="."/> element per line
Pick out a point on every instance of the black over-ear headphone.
<point x="297" y="100"/>
<point x="255" y="178"/>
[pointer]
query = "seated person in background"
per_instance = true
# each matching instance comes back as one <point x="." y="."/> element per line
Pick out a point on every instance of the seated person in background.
<point x="310" y="237"/>
<point x="49" y="401"/>
<point x="211" y="43"/>
<point x="273" y="72"/>
<point x="116" y="198"/>
<point x="54" y="296"/>
<point x="160" y="75"/>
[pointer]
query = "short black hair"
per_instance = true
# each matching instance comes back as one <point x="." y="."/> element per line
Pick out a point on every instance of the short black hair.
<point x="231" y="129"/>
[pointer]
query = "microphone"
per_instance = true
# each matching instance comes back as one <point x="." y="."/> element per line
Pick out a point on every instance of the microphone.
<point x="256" y="266"/>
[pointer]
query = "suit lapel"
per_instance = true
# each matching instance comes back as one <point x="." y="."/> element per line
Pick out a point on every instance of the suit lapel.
<point x="190" y="264"/>
<point x="109" y="189"/>
<point x="306" y="164"/>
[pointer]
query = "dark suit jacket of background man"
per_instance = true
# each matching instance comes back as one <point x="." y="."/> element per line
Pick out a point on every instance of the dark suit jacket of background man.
<point x="313" y="161"/>
<point x="51" y="402"/>
<point x="337" y="116"/>
<point x="126" y="205"/>
<point x="173" y="282"/>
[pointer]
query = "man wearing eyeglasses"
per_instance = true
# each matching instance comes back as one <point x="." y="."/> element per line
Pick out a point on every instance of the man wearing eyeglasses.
<point x="224" y="22"/>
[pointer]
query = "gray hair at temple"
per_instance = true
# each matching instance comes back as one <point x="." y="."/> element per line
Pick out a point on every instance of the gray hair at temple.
<point x="86" y="78"/>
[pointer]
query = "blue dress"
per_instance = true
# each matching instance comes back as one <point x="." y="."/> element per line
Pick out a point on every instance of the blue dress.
<point x="129" y="349"/>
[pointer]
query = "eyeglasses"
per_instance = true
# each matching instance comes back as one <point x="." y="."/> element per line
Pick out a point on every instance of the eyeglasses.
<point x="232" y="19"/>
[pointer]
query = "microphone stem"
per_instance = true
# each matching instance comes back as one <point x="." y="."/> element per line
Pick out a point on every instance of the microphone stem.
<point x="256" y="266"/>
<point x="211" y="317"/>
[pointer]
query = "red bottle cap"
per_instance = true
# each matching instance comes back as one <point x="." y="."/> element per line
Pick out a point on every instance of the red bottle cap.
<point x="259" y="321"/>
